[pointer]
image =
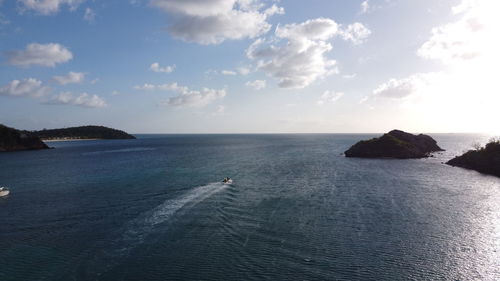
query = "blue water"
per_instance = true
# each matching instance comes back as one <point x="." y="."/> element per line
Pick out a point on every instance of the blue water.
<point x="154" y="209"/>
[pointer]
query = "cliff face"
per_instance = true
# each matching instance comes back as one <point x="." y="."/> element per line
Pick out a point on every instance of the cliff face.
<point x="14" y="140"/>
<point x="395" y="144"/>
<point x="83" y="132"/>
<point x="484" y="160"/>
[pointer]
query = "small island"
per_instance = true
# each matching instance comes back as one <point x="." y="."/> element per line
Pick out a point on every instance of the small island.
<point x="395" y="144"/>
<point x="16" y="140"/>
<point x="82" y="133"/>
<point x="483" y="159"/>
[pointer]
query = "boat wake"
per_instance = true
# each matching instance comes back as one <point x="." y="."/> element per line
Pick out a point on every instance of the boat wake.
<point x="145" y="224"/>
<point x="131" y="149"/>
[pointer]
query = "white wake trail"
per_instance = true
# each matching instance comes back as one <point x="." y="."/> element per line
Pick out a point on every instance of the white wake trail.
<point x="145" y="224"/>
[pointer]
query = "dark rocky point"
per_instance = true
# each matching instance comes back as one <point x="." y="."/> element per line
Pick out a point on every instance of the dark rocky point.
<point x="15" y="140"/>
<point x="395" y="144"/>
<point x="484" y="160"/>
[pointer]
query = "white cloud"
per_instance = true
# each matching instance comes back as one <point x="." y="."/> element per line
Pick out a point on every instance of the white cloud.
<point x="463" y="96"/>
<point x="186" y="97"/>
<point x="243" y="70"/>
<point x="356" y="33"/>
<point x="94" y="81"/>
<point x="470" y="44"/>
<point x="157" y="68"/>
<point x="329" y="97"/>
<point x="72" y="77"/>
<point x="89" y="15"/>
<point x="84" y="100"/>
<point x="40" y="54"/>
<point x="29" y="87"/>
<point x="365" y="6"/>
<point x="145" y="86"/>
<point x="402" y="88"/>
<point x="214" y="21"/>
<point x="48" y="7"/>
<point x="228" y="72"/>
<point x="220" y="110"/>
<point x="190" y="98"/>
<point x="349" y="76"/>
<point x="296" y="56"/>
<point x="257" y="84"/>
<point x="474" y="34"/>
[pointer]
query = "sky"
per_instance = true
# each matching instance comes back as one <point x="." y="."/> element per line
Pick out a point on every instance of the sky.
<point x="251" y="66"/>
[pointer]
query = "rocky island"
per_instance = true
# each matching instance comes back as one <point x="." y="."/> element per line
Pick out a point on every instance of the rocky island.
<point x="15" y="140"/>
<point x="395" y="144"/>
<point x="484" y="160"/>
<point x="82" y="133"/>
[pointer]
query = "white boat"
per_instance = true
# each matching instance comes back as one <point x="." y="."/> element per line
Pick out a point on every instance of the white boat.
<point x="4" y="191"/>
<point x="227" y="181"/>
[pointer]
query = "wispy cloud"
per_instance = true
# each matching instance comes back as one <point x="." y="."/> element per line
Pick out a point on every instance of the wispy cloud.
<point x="257" y="84"/>
<point x="402" y="88"/>
<point x="48" y="7"/>
<point x="39" y="54"/>
<point x="471" y="36"/>
<point x="219" y="111"/>
<point x="228" y="72"/>
<point x="329" y="97"/>
<point x="155" y="67"/>
<point x="190" y="98"/>
<point x="186" y="97"/>
<point x="349" y="76"/>
<point x="89" y="15"/>
<point x="71" y="77"/>
<point x="84" y="100"/>
<point x="365" y="7"/>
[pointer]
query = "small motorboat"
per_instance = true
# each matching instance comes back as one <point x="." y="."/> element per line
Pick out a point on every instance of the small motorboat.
<point x="227" y="181"/>
<point x="4" y="191"/>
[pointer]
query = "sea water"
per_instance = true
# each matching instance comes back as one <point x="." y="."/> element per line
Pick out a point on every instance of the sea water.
<point x="155" y="209"/>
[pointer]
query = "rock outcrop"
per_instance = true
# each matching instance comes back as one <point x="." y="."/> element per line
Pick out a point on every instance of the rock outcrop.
<point x="395" y="144"/>
<point x="484" y="160"/>
<point x="15" y="140"/>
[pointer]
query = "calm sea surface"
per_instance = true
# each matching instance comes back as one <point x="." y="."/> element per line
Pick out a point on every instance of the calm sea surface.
<point x="154" y="209"/>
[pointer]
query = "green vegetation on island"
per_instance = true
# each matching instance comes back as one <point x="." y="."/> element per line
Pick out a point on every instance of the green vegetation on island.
<point x="82" y="132"/>
<point x="395" y="144"/>
<point x="15" y="140"/>
<point x="482" y="159"/>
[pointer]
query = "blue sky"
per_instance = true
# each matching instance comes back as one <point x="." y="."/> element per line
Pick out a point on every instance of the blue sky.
<point x="250" y="66"/>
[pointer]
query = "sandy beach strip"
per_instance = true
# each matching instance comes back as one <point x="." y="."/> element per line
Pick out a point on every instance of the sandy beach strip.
<point x="67" y="139"/>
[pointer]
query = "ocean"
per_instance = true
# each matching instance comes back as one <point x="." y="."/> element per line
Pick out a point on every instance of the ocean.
<point x="155" y="209"/>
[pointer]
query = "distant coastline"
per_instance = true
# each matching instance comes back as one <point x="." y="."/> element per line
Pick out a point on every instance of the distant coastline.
<point x="82" y="133"/>
<point x="12" y="139"/>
